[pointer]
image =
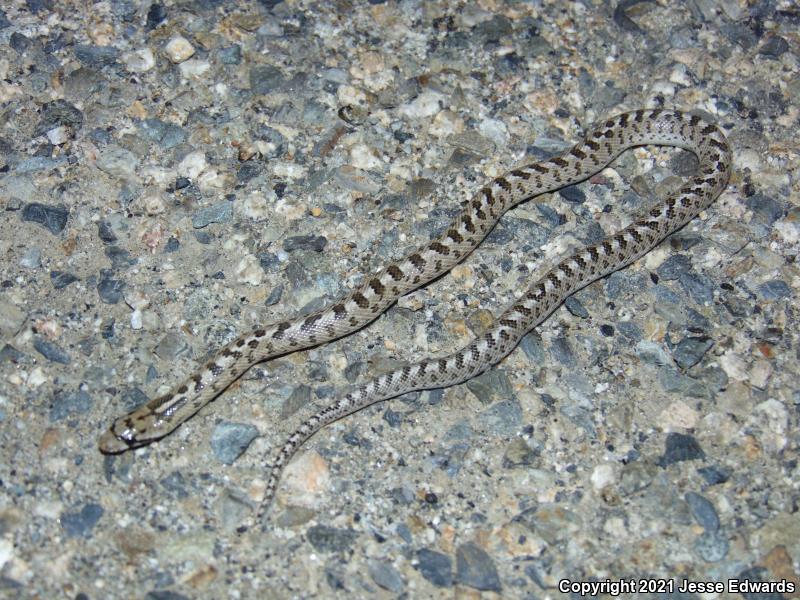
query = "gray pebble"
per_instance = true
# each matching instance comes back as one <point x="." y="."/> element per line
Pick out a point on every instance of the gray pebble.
<point x="32" y="258"/>
<point x="519" y="454"/>
<point x="635" y="477"/>
<point x="576" y="308"/>
<point x="96" y="56"/>
<point x="774" y="47"/>
<point x="248" y="170"/>
<point x="331" y="539"/>
<point x="109" y="289"/>
<point x="81" y="523"/>
<point x="274" y="296"/>
<point x="69" y="403"/>
<point x="765" y="209"/>
<point x="573" y="194"/>
<point x="61" y="279"/>
<point x="117" y="162"/>
<point x="170" y="346"/>
<point x="165" y="595"/>
<point x="531" y="345"/>
<point x="299" y="398"/>
<point x="11" y="354"/>
<point x="703" y="511"/>
<point x="561" y="351"/>
<point x="53" y="218"/>
<point x="774" y="289"/>
<point x="675" y="266"/>
<point x="265" y="79"/>
<point x="679" y="447"/>
<point x="714" y="475"/>
<point x="120" y="258"/>
<point x="232" y="55"/>
<point x="230" y="440"/>
<point x="476" y="569"/>
<point x="316" y="243"/>
<point x="699" y="287"/>
<point x="711" y="546"/>
<point x="166" y="135"/>
<point x="491" y="386"/>
<point x="690" y="350"/>
<point x="386" y="576"/>
<point x="51" y="352"/>
<point x="435" y="567"/>
<point x="219" y="212"/>
<point x="4" y="22"/>
<point x="58" y="113"/>
<point x="502" y="418"/>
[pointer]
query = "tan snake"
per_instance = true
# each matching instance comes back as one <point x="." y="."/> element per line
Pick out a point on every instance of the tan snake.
<point x="156" y="418"/>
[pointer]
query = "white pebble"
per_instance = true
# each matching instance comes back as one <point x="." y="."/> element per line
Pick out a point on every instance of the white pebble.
<point x="57" y="135"/>
<point x="178" y="49"/>
<point x="136" y="319"/>
<point x="192" y="164"/>
<point x="193" y="69"/>
<point x="364" y="157"/>
<point x="426" y="104"/>
<point x="139" y="61"/>
<point x="603" y="476"/>
<point x="249" y="271"/>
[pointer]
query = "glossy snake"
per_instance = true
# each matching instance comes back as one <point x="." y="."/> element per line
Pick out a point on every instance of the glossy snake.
<point x="156" y="418"/>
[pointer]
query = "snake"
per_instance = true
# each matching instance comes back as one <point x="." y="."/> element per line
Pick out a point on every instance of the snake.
<point x="155" y="419"/>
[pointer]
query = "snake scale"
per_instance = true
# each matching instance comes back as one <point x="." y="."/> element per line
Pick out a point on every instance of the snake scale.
<point x="158" y="417"/>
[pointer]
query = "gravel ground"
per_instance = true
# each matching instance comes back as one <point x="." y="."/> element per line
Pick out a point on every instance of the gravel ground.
<point x="173" y="174"/>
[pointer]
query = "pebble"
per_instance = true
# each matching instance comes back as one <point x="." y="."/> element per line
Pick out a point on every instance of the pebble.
<point x="96" y="56"/>
<point x="109" y="288"/>
<point x="315" y="243"/>
<point x="703" y="511"/>
<point x="32" y="259"/>
<point x="325" y="538"/>
<point x="58" y="113"/>
<point x="680" y="447"/>
<point x="61" y="279"/>
<point x="774" y="289"/>
<point x="503" y="418"/>
<point x="51" y="352"/>
<point x="490" y="386"/>
<point x="476" y="569"/>
<point x="690" y="350"/>
<point x="219" y="212"/>
<point x="266" y="79"/>
<point x="435" y="567"/>
<point x="66" y="404"/>
<point x="386" y="576"/>
<point x="52" y="218"/>
<point x="117" y="162"/>
<point x="576" y="308"/>
<point x="82" y="522"/>
<point x="711" y="546"/>
<point x="519" y="454"/>
<point x="178" y="49"/>
<point x="230" y="440"/>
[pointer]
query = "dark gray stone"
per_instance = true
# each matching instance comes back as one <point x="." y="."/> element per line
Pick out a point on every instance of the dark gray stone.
<point x="316" y="243"/>
<point x="774" y="47"/>
<point x="711" y="546"/>
<point x="69" y="403"/>
<point x="96" y="56"/>
<point x="573" y="194"/>
<point x="108" y="288"/>
<point x="81" y="523"/>
<point x="331" y="539"/>
<point x="679" y="447"/>
<point x="165" y="595"/>
<point x="61" y="279"/>
<point x="503" y="418"/>
<point x="166" y="135"/>
<point x="675" y="266"/>
<point x="714" y="475"/>
<point x="265" y="79"/>
<point x="51" y="352"/>
<point x="230" y="440"/>
<point x="435" y="567"/>
<point x="155" y="15"/>
<point x="58" y="113"/>
<point x="219" y="212"/>
<point x="576" y="308"/>
<point x="690" y="350"/>
<point x="476" y="569"/>
<point x="52" y="218"/>
<point x="699" y="287"/>
<point x="232" y="55"/>
<point x="386" y="576"/>
<point x="774" y="289"/>
<point x="703" y="511"/>
<point x="491" y="386"/>
<point x="765" y="209"/>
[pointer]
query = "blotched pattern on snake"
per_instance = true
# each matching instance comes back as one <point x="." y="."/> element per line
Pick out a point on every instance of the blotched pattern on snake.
<point x="160" y="416"/>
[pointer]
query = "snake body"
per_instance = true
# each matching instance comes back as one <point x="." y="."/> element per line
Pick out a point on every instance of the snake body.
<point x="158" y="417"/>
